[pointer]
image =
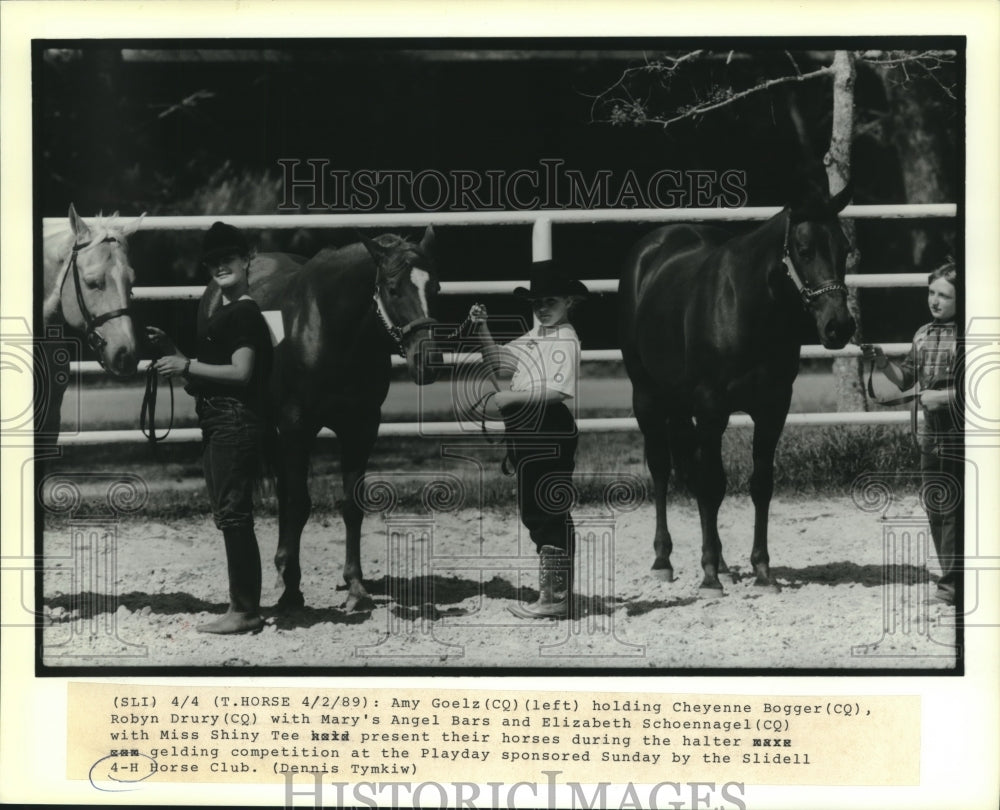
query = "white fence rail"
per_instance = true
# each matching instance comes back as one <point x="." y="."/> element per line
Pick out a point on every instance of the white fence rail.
<point x="812" y="352"/>
<point x="574" y="216"/>
<point x="541" y="222"/>
<point x="601" y="285"/>
<point x="472" y="429"/>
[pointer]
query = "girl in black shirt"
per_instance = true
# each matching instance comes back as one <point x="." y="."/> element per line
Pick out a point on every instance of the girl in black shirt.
<point x="228" y="380"/>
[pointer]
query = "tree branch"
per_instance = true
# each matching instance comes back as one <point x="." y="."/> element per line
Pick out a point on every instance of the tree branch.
<point x="665" y="65"/>
<point x="620" y="106"/>
<point x="731" y="97"/>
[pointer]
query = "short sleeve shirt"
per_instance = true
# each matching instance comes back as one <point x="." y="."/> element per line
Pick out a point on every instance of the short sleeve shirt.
<point x="546" y="360"/>
<point x="229" y="328"/>
<point x="931" y="360"/>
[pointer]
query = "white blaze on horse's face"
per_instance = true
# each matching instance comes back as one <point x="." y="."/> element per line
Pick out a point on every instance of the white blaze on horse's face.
<point x="420" y="278"/>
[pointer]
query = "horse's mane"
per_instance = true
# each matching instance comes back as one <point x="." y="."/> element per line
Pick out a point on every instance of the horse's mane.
<point x="57" y="241"/>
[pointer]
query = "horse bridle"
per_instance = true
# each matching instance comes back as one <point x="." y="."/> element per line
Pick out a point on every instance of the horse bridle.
<point x="95" y="340"/>
<point x="398" y="334"/>
<point x="808" y="294"/>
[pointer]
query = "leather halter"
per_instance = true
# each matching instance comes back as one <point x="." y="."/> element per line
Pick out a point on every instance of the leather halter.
<point x="808" y="294"/>
<point x="399" y="334"/>
<point x="95" y="340"/>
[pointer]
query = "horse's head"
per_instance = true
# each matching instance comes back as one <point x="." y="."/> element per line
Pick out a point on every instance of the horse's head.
<point x="95" y="286"/>
<point x="406" y="285"/>
<point x="814" y="254"/>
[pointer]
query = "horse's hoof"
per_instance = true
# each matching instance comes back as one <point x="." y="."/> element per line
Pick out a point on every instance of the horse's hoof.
<point x="768" y="584"/>
<point x="710" y="587"/>
<point x="291" y="600"/>
<point x="359" y="602"/>
<point x="662" y="571"/>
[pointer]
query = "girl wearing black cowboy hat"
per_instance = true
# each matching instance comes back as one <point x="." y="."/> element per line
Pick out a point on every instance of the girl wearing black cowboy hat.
<point x="229" y="382"/>
<point x="541" y="430"/>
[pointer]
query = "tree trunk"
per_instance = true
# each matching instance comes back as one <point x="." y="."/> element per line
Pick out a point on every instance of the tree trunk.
<point x="848" y="370"/>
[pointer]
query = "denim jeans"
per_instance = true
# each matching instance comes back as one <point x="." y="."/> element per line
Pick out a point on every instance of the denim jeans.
<point x="542" y="450"/>
<point x="233" y="444"/>
<point x="945" y="506"/>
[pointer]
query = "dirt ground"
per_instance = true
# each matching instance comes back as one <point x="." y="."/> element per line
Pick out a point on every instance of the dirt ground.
<point x="848" y="599"/>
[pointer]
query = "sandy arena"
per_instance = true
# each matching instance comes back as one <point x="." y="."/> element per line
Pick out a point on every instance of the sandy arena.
<point x="447" y="609"/>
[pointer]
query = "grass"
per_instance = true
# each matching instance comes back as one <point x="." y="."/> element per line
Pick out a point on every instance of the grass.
<point x="809" y="462"/>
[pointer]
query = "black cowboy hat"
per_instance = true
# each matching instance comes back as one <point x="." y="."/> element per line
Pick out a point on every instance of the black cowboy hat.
<point x="548" y="279"/>
<point x="223" y="240"/>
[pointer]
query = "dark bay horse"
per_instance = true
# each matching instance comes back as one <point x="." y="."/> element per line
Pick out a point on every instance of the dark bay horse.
<point x="711" y="323"/>
<point x="87" y="284"/>
<point x="345" y="313"/>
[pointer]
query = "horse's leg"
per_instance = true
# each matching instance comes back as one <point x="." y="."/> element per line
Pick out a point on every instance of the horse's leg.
<point x="294" y="506"/>
<point x="683" y="444"/>
<point x="48" y="407"/>
<point x="653" y="424"/>
<point x="768" y="423"/>
<point x="356" y="446"/>
<point x="710" y="488"/>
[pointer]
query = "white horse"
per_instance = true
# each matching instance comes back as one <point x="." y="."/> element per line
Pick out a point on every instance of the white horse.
<point x="87" y="282"/>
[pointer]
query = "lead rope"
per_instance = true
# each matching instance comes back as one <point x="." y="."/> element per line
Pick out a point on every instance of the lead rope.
<point x="506" y="465"/>
<point x="397" y="334"/>
<point x="906" y="398"/>
<point x="147" y="411"/>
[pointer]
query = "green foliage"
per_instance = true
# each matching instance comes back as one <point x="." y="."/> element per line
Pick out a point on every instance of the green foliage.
<point x="230" y="191"/>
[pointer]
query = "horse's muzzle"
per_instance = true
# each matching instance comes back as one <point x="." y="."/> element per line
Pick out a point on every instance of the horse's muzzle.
<point x="423" y="359"/>
<point x="116" y="350"/>
<point x="837" y="332"/>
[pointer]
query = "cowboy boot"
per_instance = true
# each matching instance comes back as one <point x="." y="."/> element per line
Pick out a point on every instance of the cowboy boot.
<point x="243" y="562"/>
<point x="555" y="577"/>
<point x="544" y="594"/>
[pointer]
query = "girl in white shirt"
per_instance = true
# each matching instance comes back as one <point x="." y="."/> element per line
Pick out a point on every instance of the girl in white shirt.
<point x="538" y="412"/>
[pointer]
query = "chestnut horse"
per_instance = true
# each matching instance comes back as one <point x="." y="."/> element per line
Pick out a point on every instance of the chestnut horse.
<point x="87" y="285"/>
<point x="712" y="323"/>
<point x="345" y="313"/>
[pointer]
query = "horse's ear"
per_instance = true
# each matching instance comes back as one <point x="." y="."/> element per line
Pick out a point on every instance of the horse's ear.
<point x="375" y="250"/>
<point x="427" y="243"/>
<point x="80" y="228"/>
<point x="133" y="226"/>
<point x="838" y="202"/>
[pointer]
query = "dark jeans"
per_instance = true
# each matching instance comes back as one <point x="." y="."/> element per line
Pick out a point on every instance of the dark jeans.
<point x="233" y="443"/>
<point x="542" y="447"/>
<point x="944" y="501"/>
